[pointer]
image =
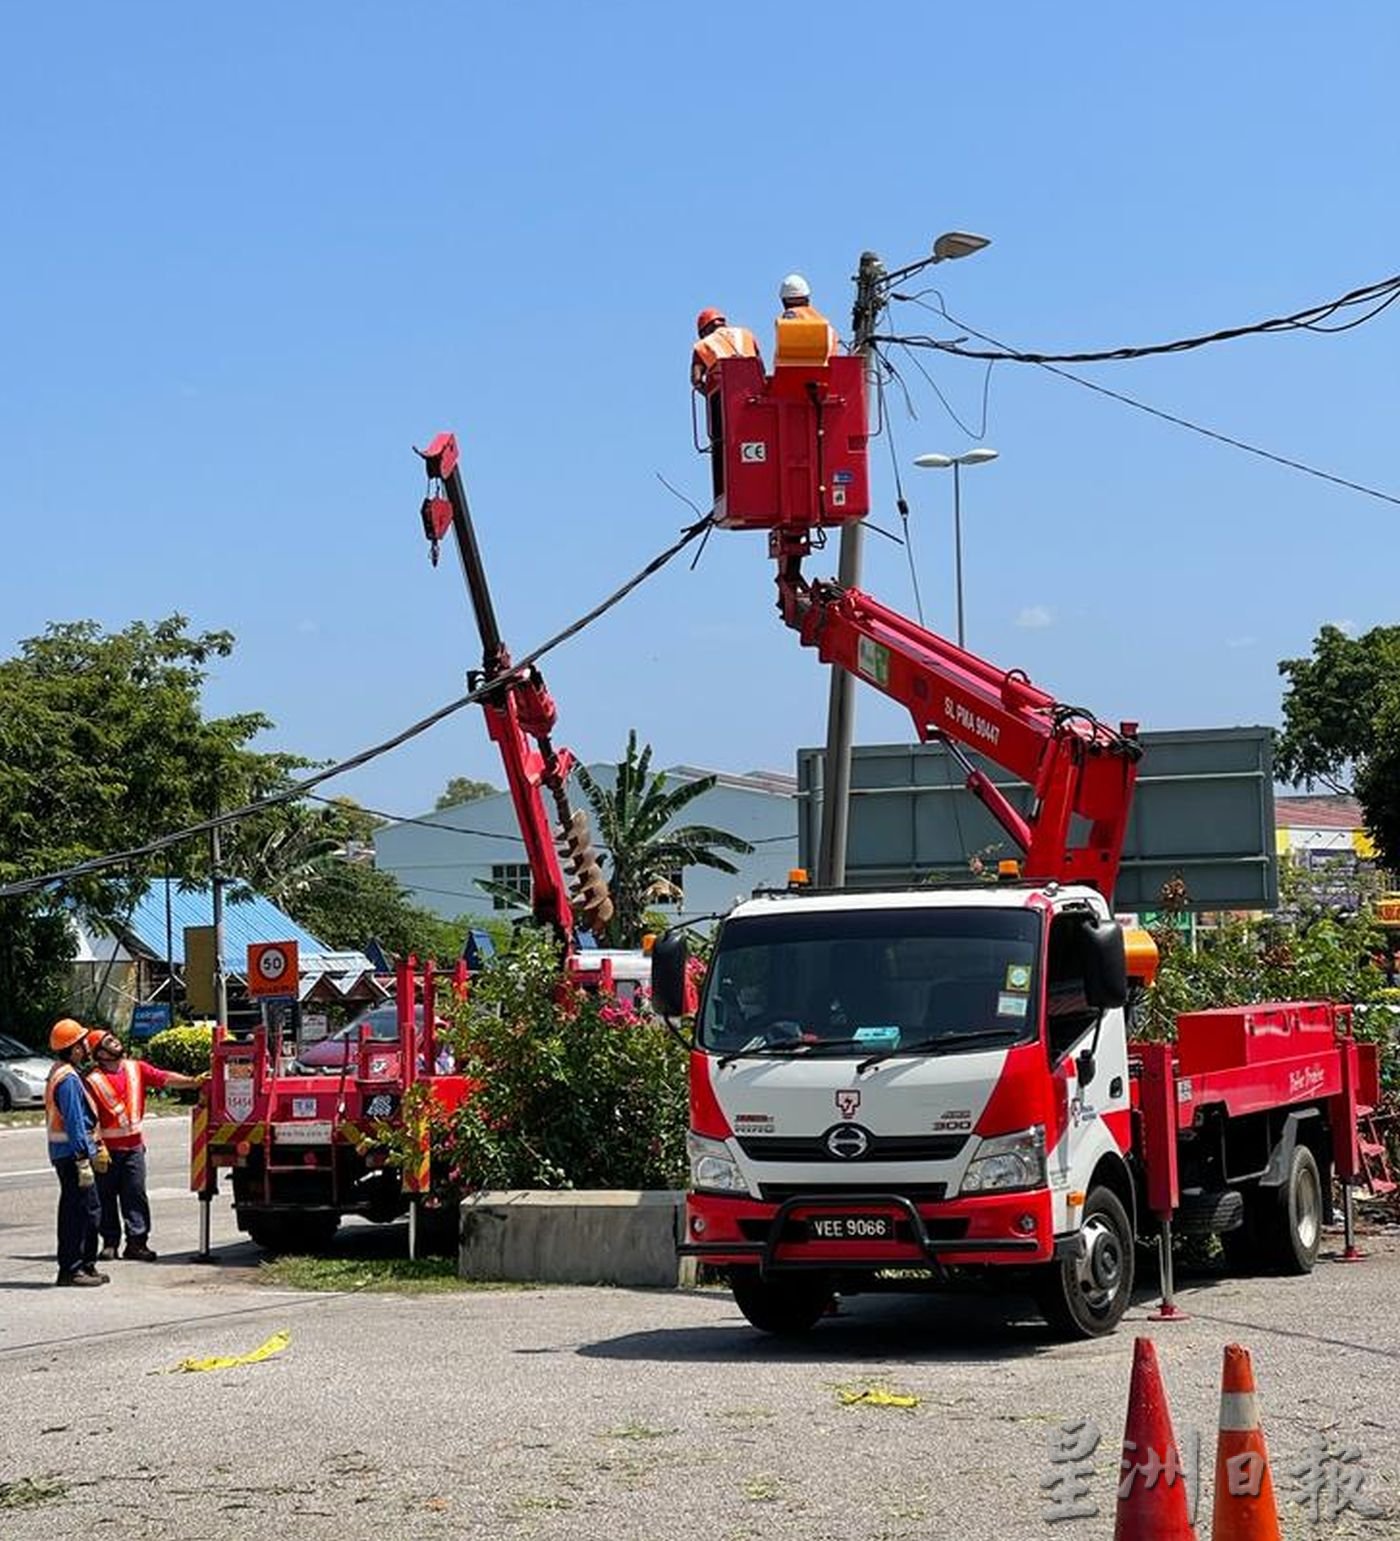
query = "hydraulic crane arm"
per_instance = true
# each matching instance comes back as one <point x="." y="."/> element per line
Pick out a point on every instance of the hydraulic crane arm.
<point x="520" y="718"/>
<point x="1081" y="772"/>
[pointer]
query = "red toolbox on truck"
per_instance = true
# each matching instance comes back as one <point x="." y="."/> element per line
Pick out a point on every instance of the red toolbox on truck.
<point x="1234" y="1036"/>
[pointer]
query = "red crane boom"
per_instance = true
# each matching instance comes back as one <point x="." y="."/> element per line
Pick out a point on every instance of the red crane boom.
<point x="520" y="718"/>
<point x="1081" y="772"/>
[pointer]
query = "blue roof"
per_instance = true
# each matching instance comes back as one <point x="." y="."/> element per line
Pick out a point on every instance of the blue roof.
<point x="252" y="920"/>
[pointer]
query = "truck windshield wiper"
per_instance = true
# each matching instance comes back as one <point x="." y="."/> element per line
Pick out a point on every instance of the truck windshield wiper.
<point x="759" y="1047"/>
<point x="942" y="1041"/>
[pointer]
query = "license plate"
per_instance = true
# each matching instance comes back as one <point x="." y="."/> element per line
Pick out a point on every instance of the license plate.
<point x="302" y="1134"/>
<point x="851" y="1227"/>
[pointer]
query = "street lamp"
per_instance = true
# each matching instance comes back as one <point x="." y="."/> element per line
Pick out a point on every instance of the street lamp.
<point x="972" y="457"/>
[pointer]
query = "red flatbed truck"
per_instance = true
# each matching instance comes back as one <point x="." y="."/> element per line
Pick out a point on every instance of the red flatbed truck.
<point x="907" y="1088"/>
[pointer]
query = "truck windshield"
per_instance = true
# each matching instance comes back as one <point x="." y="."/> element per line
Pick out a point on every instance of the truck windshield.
<point x="873" y="981"/>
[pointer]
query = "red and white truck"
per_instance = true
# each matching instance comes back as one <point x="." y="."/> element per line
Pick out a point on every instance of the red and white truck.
<point x="907" y="1088"/>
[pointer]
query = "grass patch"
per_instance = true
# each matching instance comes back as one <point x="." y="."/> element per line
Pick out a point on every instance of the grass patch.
<point x="386" y="1275"/>
<point x="28" y="1492"/>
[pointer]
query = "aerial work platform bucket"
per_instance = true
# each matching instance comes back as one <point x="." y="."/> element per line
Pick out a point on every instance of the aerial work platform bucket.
<point x="792" y="444"/>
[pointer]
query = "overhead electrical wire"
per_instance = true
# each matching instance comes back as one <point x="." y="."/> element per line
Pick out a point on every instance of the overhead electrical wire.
<point x="1142" y="406"/>
<point x="1385" y="292"/>
<point x="374" y="752"/>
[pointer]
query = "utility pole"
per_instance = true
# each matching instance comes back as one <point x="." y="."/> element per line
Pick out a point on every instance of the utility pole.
<point x="217" y="880"/>
<point x="841" y="708"/>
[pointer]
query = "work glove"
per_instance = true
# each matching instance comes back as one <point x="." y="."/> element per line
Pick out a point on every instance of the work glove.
<point x="102" y="1161"/>
<point x="85" y="1177"/>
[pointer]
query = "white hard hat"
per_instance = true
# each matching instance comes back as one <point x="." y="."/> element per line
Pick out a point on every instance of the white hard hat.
<point x="795" y="287"/>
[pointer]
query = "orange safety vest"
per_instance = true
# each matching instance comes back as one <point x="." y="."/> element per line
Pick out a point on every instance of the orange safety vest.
<point x="118" y="1117"/>
<point x="723" y="342"/>
<point x="53" y="1114"/>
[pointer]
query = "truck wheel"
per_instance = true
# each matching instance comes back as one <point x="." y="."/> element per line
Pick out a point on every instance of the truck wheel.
<point x="292" y="1233"/>
<point x="786" y="1307"/>
<point x="1086" y="1297"/>
<point x="1289" y="1224"/>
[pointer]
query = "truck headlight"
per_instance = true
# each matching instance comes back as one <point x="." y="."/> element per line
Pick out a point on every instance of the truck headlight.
<point x="712" y="1167"/>
<point x="1007" y="1162"/>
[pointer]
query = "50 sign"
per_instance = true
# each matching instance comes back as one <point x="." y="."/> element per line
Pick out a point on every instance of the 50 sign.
<point x="273" y="968"/>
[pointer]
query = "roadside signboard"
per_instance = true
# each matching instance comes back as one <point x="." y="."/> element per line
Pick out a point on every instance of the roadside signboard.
<point x="149" y="1019"/>
<point x="272" y="968"/>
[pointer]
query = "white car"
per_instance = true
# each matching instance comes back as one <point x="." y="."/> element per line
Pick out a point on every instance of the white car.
<point x="22" y="1075"/>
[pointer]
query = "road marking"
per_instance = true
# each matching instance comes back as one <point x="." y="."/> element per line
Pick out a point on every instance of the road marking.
<point x="33" y="1171"/>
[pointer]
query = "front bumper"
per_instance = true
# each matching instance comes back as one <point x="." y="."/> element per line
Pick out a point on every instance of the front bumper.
<point x="24" y="1096"/>
<point x="1005" y="1228"/>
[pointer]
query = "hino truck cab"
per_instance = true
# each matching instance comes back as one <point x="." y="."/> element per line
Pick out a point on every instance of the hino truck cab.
<point x="911" y="1086"/>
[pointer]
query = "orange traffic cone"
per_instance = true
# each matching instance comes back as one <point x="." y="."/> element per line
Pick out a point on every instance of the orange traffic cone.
<point x="1244" y="1492"/>
<point x="1152" y="1493"/>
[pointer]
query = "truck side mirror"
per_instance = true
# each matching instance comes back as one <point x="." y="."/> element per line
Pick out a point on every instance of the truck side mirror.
<point x="1105" y="964"/>
<point x="669" y="955"/>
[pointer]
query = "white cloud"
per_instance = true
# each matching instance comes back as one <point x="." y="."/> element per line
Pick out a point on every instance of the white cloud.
<point x="1346" y="627"/>
<point x="1241" y="641"/>
<point x="1033" y="617"/>
<point x="308" y="627"/>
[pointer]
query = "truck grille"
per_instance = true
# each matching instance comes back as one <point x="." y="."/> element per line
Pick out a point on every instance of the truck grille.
<point x="921" y="1193"/>
<point x="883" y="1147"/>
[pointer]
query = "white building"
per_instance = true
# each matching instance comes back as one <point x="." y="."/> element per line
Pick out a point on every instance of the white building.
<point x="441" y="857"/>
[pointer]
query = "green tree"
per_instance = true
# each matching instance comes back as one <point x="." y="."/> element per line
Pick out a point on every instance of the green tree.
<point x="634" y="819"/>
<point x="104" y="744"/>
<point x="1341" y="725"/>
<point x="462" y="789"/>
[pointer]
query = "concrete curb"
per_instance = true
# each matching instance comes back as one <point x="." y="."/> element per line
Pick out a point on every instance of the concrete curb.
<point x="611" y="1236"/>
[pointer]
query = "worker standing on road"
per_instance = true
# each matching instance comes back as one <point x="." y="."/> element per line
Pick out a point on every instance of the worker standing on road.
<point x="716" y="340"/>
<point x="74" y="1151"/>
<point x="117" y="1086"/>
<point x="802" y="343"/>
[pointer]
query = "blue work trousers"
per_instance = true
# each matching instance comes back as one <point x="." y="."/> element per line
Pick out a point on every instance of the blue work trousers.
<point x="123" y="1189"/>
<point x="79" y="1211"/>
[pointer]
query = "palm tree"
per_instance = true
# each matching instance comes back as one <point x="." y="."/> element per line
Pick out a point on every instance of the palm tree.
<point x="633" y="820"/>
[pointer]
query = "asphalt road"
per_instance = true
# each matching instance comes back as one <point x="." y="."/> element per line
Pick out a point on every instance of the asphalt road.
<point x="620" y="1414"/>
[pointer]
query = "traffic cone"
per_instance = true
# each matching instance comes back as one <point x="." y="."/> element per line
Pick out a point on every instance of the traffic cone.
<point x="1244" y="1492"/>
<point x="1152" y="1491"/>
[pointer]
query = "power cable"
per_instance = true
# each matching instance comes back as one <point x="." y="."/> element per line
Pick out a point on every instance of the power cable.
<point x="1386" y="291"/>
<point x="901" y="502"/>
<point x="1169" y="417"/>
<point x="301" y="788"/>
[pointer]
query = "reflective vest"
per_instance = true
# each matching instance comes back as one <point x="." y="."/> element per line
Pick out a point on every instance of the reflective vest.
<point x="723" y="342"/>
<point x="118" y="1117"/>
<point x="53" y="1114"/>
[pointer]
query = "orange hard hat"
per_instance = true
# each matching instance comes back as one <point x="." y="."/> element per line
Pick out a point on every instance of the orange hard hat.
<point x="708" y="318"/>
<point x="65" y="1034"/>
<point x="94" y="1038"/>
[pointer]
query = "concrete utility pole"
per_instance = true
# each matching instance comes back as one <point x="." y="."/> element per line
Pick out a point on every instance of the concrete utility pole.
<point x="217" y="880"/>
<point x="841" y="706"/>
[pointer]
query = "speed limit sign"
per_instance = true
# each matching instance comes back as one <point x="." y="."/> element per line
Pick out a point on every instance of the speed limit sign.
<point x="272" y="968"/>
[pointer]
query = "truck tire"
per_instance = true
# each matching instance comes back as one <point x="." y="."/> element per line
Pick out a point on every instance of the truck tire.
<point x="308" y="1233"/>
<point x="1086" y="1297"/>
<point x="1209" y="1212"/>
<point x="785" y="1307"/>
<point x="1288" y="1224"/>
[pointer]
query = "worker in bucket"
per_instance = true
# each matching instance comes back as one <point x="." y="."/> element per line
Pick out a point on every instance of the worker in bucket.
<point x="75" y="1154"/>
<point x="715" y="339"/>
<point x="811" y="339"/>
<point x="117" y="1086"/>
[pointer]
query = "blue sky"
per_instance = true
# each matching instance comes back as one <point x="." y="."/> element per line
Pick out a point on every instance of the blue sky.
<point x="250" y="255"/>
